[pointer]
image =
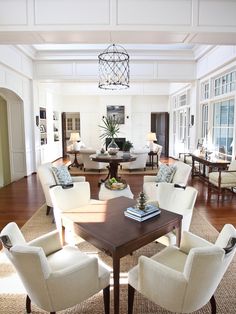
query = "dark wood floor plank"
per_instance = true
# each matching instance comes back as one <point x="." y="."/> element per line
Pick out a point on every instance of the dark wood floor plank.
<point x="19" y="200"/>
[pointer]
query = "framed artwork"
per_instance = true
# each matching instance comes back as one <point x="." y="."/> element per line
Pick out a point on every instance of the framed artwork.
<point x="117" y="112"/>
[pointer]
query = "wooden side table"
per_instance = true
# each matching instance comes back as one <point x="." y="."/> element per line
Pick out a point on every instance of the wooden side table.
<point x="75" y="162"/>
<point x="151" y="155"/>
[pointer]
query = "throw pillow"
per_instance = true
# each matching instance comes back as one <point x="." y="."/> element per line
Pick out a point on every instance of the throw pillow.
<point x="62" y="175"/>
<point x="165" y="173"/>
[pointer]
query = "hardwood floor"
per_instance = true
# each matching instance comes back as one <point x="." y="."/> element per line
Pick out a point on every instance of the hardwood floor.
<point x="19" y="200"/>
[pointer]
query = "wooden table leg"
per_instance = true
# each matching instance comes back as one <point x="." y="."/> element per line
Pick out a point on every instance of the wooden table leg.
<point x="178" y="233"/>
<point x="116" y="275"/>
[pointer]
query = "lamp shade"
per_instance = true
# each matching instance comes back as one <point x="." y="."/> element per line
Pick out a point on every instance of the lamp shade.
<point x="151" y="136"/>
<point x="74" y="137"/>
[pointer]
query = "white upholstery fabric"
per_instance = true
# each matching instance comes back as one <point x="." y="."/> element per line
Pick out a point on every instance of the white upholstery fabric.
<point x="70" y="200"/>
<point x="227" y="178"/>
<point x="182" y="280"/>
<point x="58" y="280"/>
<point x="180" y="177"/>
<point x="140" y="162"/>
<point x="106" y="194"/>
<point x="177" y="200"/>
<point x="88" y="162"/>
<point x="47" y="178"/>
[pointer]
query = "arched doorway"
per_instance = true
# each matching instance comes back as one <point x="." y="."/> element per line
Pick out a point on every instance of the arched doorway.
<point x="5" y="172"/>
<point x="12" y="138"/>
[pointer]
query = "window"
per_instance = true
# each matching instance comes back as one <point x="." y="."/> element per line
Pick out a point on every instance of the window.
<point x="205" y="121"/>
<point x="205" y="90"/>
<point x="223" y="125"/>
<point x="225" y="84"/>
<point x="183" y="100"/>
<point x="69" y="124"/>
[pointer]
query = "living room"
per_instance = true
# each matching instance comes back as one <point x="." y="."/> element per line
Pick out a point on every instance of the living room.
<point x="182" y="62"/>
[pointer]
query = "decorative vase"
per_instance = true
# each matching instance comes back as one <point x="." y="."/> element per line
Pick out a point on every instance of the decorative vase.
<point x="112" y="148"/>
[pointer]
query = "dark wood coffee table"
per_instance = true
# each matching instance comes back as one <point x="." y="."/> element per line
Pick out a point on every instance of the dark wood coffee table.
<point x="106" y="227"/>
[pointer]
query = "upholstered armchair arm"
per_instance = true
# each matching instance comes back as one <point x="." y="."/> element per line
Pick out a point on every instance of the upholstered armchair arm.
<point x="190" y="240"/>
<point x="149" y="178"/>
<point x="78" y="178"/>
<point x="82" y="278"/>
<point x="158" y="282"/>
<point x="49" y="242"/>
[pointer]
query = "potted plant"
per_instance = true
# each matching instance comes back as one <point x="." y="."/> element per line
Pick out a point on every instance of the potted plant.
<point x="110" y="129"/>
<point x="126" y="148"/>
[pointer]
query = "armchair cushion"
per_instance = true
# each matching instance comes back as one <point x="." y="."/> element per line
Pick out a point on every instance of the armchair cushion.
<point x="62" y="175"/>
<point x="165" y="173"/>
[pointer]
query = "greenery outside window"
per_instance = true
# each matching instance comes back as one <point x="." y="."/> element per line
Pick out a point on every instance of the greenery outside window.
<point x="223" y="125"/>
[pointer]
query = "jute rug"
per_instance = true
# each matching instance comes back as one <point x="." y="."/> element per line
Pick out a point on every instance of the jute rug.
<point x="14" y="301"/>
<point x="77" y="171"/>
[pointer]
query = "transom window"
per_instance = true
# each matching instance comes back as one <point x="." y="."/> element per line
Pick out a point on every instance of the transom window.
<point x="225" y="84"/>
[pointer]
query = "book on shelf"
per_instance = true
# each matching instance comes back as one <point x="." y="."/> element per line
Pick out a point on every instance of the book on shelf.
<point x="142" y="213"/>
<point x="140" y="219"/>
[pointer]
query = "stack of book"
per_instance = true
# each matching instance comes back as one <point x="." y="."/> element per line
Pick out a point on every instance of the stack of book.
<point x="141" y="215"/>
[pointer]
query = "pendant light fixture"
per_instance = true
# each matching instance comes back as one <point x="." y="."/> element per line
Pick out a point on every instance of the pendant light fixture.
<point x="114" y="68"/>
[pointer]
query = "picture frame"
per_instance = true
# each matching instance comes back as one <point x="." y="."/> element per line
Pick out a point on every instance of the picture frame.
<point x="117" y="112"/>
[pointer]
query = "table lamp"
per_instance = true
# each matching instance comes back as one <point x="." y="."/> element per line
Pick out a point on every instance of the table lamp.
<point x="151" y="137"/>
<point x="74" y="137"/>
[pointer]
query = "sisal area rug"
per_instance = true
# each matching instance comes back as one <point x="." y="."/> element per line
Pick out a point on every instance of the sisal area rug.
<point x="12" y="296"/>
<point x="77" y="171"/>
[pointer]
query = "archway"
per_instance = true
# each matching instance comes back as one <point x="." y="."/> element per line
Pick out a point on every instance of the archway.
<point x="12" y="142"/>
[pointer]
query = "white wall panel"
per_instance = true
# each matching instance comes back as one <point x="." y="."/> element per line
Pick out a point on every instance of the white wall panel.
<point x="13" y="12"/>
<point x="53" y="69"/>
<point x="158" y="12"/>
<point x="2" y="76"/>
<point x="215" y="59"/>
<point x="176" y="71"/>
<point x="142" y="70"/>
<point x="15" y="82"/>
<point x="217" y="13"/>
<point x="87" y="69"/>
<point x="71" y="12"/>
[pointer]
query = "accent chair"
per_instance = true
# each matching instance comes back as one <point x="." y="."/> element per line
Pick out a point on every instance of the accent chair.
<point x="55" y="277"/>
<point x="184" y="279"/>
<point x="47" y="179"/>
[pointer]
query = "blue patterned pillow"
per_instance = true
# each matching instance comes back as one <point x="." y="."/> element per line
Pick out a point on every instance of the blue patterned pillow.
<point x="165" y="173"/>
<point x="62" y="175"/>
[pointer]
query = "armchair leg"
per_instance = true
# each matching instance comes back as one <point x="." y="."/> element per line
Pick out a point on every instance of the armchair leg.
<point x="28" y="304"/>
<point x="213" y="305"/>
<point x="48" y="210"/>
<point x="106" y="299"/>
<point x="131" y="291"/>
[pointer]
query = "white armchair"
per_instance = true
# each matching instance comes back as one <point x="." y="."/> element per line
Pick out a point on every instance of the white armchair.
<point x="55" y="277"/>
<point x="177" y="200"/>
<point x="180" y="177"/>
<point x="70" y="200"/>
<point x="47" y="179"/>
<point x="89" y="163"/>
<point x="140" y="162"/>
<point x="183" y="279"/>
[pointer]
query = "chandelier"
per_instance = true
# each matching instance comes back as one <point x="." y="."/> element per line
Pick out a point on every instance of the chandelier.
<point x="114" y="68"/>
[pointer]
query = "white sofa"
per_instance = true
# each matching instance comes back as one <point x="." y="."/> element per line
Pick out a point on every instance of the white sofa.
<point x="140" y="162"/>
<point x="180" y="177"/>
<point x="47" y="179"/>
<point x="89" y="163"/>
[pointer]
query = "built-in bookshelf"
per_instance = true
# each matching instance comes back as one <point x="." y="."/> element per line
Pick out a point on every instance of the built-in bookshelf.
<point x="56" y="126"/>
<point x="43" y="125"/>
